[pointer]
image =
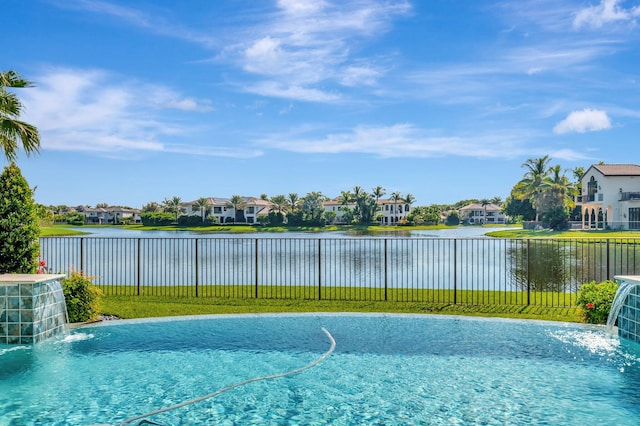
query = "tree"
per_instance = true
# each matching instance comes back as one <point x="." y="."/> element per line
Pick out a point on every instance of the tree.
<point x="556" y="198"/>
<point x="484" y="203"/>
<point x="173" y="205"/>
<point x="280" y="203"/>
<point x="312" y="207"/>
<point x="378" y="192"/>
<point x="238" y="204"/>
<point x="531" y="183"/>
<point x="395" y="198"/>
<point x="203" y="205"/>
<point x="19" y="228"/>
<point x="102" y="205"/>
<point x="151" y="207"/>
<point x="12" y="129"/>
<point x="294" y="201"/>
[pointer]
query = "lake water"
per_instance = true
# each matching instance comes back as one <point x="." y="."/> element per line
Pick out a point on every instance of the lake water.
<point x="457" y="232"/>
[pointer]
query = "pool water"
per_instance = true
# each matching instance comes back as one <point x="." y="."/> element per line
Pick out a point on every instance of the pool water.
<point x="385" y="370"/>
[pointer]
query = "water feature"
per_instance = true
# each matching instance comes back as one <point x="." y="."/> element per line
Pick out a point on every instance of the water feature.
<point x="625" y="308"/>
<point x="32" y="307"/>
<point x="386" y="369"/>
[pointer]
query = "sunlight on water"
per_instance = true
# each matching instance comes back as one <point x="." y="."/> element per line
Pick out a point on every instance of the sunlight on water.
<point x="595" y="342"/>
<point x="78" y="337"/>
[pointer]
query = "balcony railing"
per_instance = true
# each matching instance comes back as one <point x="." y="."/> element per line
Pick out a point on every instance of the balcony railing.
<point x="629" y="196"/>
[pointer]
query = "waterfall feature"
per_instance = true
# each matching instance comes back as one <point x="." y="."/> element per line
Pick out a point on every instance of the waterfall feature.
<point x="625" y="308"/>
<point x="32" y="307"/>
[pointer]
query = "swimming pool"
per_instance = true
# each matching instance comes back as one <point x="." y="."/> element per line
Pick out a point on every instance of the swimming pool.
<point x="385" y="370"/>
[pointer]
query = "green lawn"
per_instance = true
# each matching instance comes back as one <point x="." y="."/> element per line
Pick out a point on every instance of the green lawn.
<point x="161" y="306"/>
<point x="525" y="233"/>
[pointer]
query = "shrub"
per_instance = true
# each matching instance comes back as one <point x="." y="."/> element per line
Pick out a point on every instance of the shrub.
<point x="81" y="296"/>
<point x="19" y="224"/>
<point x="595" y="300"/>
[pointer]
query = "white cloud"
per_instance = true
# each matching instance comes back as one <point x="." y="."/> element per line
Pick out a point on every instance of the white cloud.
<point x="587" y="120"/>
<point x="277" y="90"/>
<point x="608" y="11"/>
<point x="406" y="141"/>
<point x="91" y="111"/>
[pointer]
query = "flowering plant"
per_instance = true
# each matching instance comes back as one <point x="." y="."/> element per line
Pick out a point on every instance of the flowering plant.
<point x="42" y="267"/>
<point x="595" y="300"/>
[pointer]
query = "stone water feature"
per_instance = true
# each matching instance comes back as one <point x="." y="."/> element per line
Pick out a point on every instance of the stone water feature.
<point x="626" y="307"/>
<point x="32" y="307"/>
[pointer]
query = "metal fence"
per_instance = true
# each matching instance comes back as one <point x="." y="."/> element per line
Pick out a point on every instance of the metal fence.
<point x="542" y="272"/>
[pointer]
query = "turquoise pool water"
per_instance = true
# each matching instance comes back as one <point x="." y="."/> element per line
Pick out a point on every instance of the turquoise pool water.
<point x="385" y="370"/>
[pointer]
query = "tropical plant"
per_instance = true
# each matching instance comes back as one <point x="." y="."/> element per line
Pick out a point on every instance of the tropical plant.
<point x="173" y="205"/>
<point x="13" y="130"/>
<point x="294" y="201"/>
<point x="312" y="207"/>
<point x="238" y="204"/>
<point x="530" y="186"/>
<point x="595" y="299"/>
<point x="19" y="225"/>
<point x="151" y="207"/>
<point x="280" y="203"/>
<point x="203" y="205"/>
<point x="484" y="203"/>
<point x="81" y="296"/>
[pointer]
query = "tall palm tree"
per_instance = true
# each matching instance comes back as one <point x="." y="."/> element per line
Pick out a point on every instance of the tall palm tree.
<point x="346" y="197"/>
<point x="532" y="180"/>
<point x="280" y="203"/>
<point x="203" y="204"/>
<point x="12" y="129"/>
<point x="173" y="205"/>
<point x="378" y="192"/>
<point x="559" y="183"/>
<point x="578" y="174"/>
<point x="294" y="201"/>
<point x="395" y="197"/>
<point x="484" y="203"/>
<point x="238" y="204"/>
<point x="151" y="207"/>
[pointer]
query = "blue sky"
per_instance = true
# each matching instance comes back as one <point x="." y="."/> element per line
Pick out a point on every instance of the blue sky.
<point x="139" y="101"/>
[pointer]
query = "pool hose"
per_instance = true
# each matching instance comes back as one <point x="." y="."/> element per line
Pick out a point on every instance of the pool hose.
<point x="227" y="388"/>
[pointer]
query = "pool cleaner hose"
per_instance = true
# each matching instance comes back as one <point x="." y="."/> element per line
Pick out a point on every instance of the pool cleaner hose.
<point x="227" y="388"/>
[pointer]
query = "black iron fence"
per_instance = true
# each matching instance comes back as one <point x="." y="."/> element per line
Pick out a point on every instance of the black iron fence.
<point x="543" y="272"/>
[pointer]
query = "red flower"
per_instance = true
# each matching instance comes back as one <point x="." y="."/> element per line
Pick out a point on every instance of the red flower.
<point x="43" y="263"/>
<point x="590" y="306"/>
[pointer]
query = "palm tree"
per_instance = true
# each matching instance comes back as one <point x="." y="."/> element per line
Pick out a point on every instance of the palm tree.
<point x="532" y="181"/>
<point x="12" y="129"/>
<point x="279" y="202"/>
<point x="294" y="200"/>
<point x="378" y="192"/>
<point x="173" y="205"/>
<point x="395" y="197"/>
<point x="484" y="203"/>
<point x="238" y="204"/>
<point x="151" y="207"/>
<point x="203" y="204"/>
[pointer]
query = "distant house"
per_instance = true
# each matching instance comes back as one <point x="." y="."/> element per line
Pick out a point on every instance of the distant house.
<point x="393" y="212"/>
<point x="108" y="215"/>
<point x="224" y="213"/>
<point x="610" y="197"/>
<point x="477" y="214"/>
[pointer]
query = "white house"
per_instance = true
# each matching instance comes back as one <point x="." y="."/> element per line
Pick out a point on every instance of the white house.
<point x="610" y="197"/>
<point x="224" y="213"/>
<point x="111" y="214"/>
<point x="393" y="212"/>
<point x="477" y="214"/>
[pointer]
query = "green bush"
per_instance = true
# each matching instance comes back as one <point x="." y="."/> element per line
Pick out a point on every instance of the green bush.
<point x="82" y="297"/>
<point x="19" y="224"/>
<point x="595" y="300"/>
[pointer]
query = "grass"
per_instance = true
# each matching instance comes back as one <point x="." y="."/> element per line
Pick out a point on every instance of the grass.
<point x="525" y="233"/>
<point x="58" y="231"/>
<point x="161" y="306"/>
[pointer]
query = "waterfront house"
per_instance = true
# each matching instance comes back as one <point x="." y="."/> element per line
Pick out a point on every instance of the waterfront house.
<point x="477" y="214"/>
<point x="224" y="213"/>
<point x="610" y="197"/>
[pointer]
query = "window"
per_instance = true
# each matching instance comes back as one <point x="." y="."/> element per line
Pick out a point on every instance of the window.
<point x="217" y="210"/>
<point x="250" y="210"/>
<point x="634" y="218"/>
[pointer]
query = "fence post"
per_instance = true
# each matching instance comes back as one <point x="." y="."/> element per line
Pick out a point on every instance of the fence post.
<point x="139" y="264"/>
<point x="82" y="269"/>
<point x="455" y="271"/>
<point x="608" y="277"/>
<point x="528" y="272"/>
<point x="386" y="278"/>
<point x="197" y="268"/>
<point x="319" y="270"/>
<point x="256" y="267"/>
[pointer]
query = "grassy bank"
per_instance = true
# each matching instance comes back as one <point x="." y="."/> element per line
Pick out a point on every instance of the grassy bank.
<point x="525" y="233"/>
<point x="160" y="306"/>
